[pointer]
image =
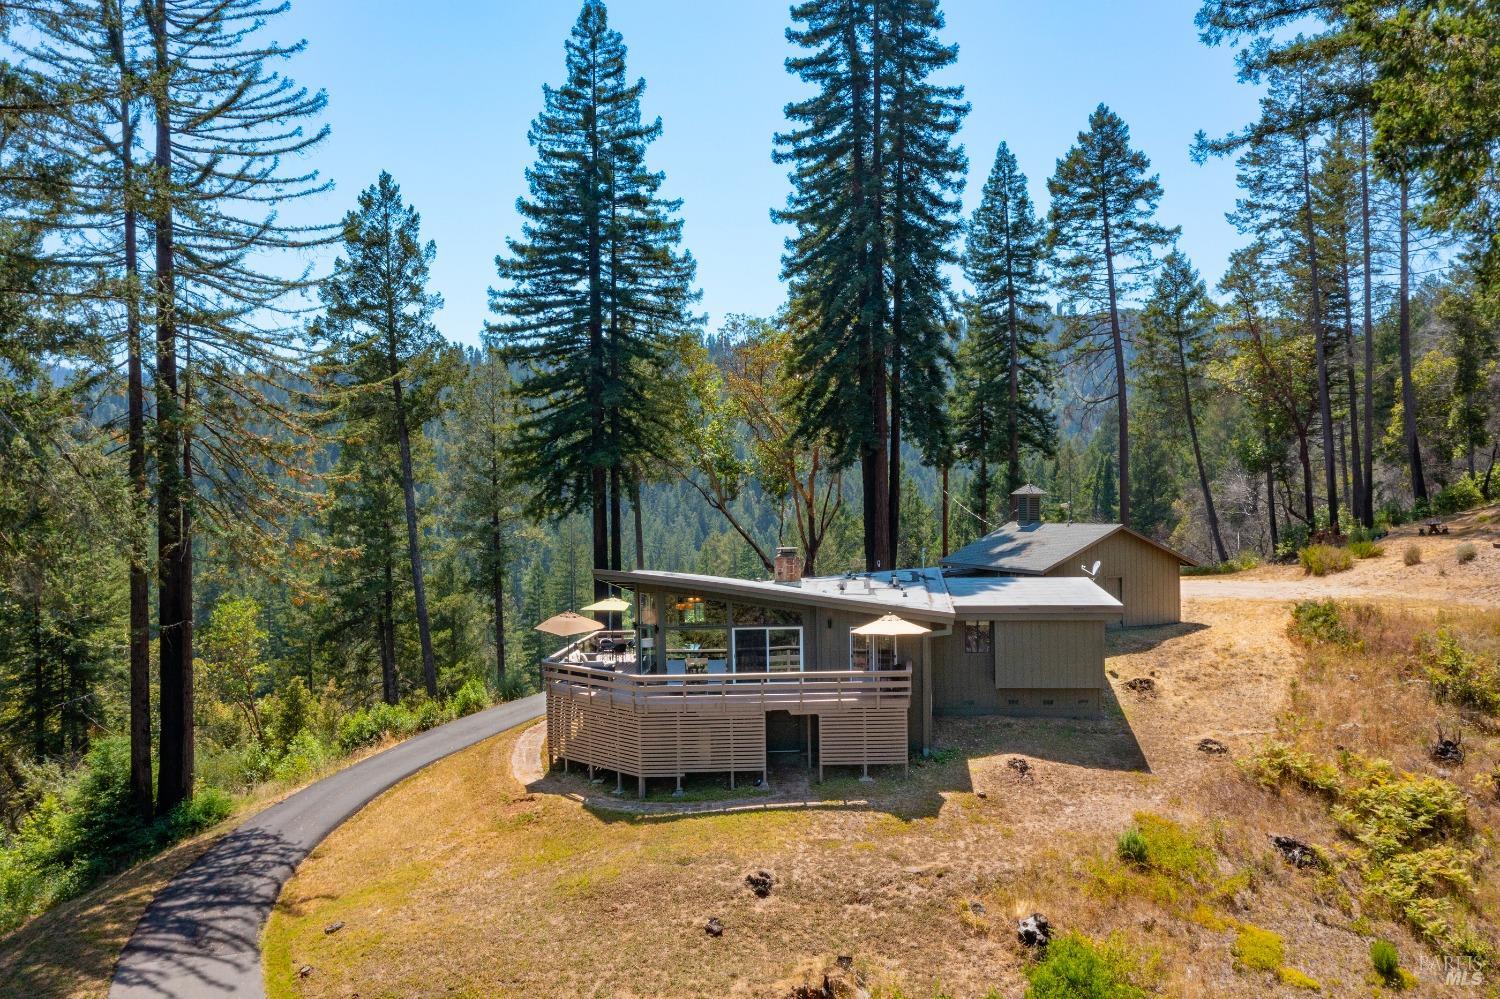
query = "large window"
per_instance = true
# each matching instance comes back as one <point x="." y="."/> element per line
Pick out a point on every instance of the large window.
<point x="697" y="650"/>
<point x="767" y="650"/>
<point x="872" y="652"/>
<point x="687" y="608"/>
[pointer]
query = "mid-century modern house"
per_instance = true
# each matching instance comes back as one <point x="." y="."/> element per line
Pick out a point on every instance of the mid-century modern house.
<point x="1137" y="571"/>
<point x="715" y="674"/>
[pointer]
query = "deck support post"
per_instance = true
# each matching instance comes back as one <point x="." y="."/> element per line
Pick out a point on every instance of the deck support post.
<point x="641" y="786"/>
<point x="619" y="782"/>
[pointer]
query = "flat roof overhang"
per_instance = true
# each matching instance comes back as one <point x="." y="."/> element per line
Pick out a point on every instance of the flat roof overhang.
<point x="750" y="589"/>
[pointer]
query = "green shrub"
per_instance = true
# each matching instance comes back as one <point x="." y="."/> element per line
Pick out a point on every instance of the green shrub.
<point x="83" y="828"/>
<point x="1412" y="555"/>
<point x="1239" y="563"/>
<point x="430" y="713"/>
<point x="1276" y="764"/>
<point x="1131" y="847"/>
<point x="1320" y="560"/>
<point x="1390" y="811"/>
<point x="1075" y="967"/>
<point x="1459" y="676"/>
<point x="1387" y="961"/>
<point x="370" y="725"/>
<point x="1257" y="949"/>
<point x="1461" y="495"/>
<point x="1366" y="549"/>
<point x="1322" y="621"/>
<point x="1294" y="536"/>
<point x="304" y="757"/>
<point x="1466" y="552"/>
<point x="469" y="698"/>
<point x="288" y="714"/>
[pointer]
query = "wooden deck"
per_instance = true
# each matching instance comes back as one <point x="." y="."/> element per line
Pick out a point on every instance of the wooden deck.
<point x="672" y="725"/>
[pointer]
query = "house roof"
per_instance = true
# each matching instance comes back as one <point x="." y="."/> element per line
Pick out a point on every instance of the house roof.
<point x="929" y="594"/>
<point x="920" y="595"/>
<point x="1036" y="549"/>
<point x="1069" y="597"/>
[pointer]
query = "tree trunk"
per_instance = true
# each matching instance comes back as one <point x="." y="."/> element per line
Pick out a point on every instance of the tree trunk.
<point x="413" y="533"/>
<point x="1304" y="455"/>
<point x="1192" y="422"/>
<point x="140" y="490"/>
<point x="945" y="509"/>
<point x="390" y="687"/>
<point x="1118" y="342"/>
<point x="1408" y="389"/>
<point x="635" y="510"/>
<point x="1367" y="511"/>
<point x="616" y="526"/>
<point x="1320" y="346"/>
<point x="1013" y="390"/>
<point x="877" y="527"/>
<point x="174" y="543"/>
<point x="497" y="595"/>
<point x="1271" y="502"/>
<point x="1358" y="486"/>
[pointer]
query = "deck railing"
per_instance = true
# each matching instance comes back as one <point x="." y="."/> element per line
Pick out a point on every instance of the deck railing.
<point x="809" y="690"/>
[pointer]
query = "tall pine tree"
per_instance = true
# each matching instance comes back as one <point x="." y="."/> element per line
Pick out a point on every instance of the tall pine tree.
<point x="1175" y="345"/>
<point x="874" y="201"/>
<point x="1104" y="231"/>
<point x="378" y="320"/>
<point x="1009" y="361"/>
<point x="595" y="293"/>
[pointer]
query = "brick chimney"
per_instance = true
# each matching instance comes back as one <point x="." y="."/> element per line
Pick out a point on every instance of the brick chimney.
<point x="788" y="565"/>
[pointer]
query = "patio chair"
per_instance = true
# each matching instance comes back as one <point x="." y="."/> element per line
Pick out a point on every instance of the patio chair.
<point x="718" y="665"/>
<point x="676" y="667"/>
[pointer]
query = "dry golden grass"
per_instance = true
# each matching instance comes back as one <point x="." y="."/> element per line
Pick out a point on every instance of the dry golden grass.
<point x="460" y="883"/>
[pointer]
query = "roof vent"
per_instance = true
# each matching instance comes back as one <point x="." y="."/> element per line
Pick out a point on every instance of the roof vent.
<point x="1026" y="504"/>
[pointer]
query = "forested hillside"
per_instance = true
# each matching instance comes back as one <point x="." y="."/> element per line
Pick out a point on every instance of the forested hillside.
<point x="257" y="513"/>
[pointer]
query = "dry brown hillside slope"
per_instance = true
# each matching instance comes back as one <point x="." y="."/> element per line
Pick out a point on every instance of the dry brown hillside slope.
<point x="463" y="882"/>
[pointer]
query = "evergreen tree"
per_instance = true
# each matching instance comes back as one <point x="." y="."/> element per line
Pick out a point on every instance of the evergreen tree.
<point x="486" y="508"/>
<point x="1103" y="228"/>
<point x="378" y="320"/>
<point x="874" y="203"/>
<point x="921" y="171"/>
<point x="89" y="53"/>
<point x="596" y="294"/>
<point x="1003" y="259"/>
<point x="1276" y="171"/>
<point x="980" y="402"/>
<point x="1175" y="343"/>
<point x="225" y="127"/>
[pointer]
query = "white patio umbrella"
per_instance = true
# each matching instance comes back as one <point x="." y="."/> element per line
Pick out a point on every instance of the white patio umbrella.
<point x="890" y="625"/>
<point x="568" y="623"/>
<point x="610" y="605"/>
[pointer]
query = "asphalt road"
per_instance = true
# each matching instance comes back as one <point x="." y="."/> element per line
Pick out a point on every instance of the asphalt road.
<point x="201" y="934"/>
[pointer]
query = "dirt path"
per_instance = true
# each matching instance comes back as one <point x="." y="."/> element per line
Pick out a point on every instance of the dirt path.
<point x="1438" y="577"/>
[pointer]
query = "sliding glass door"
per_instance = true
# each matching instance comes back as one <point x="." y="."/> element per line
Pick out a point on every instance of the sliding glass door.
<point x="767" y="650"/>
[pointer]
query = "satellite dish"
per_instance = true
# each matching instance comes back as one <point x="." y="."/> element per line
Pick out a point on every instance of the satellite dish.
<point x="1091" y="573"/>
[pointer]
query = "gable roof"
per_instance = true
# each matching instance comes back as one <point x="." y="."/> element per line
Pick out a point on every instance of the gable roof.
<point x="1037" y="549"/>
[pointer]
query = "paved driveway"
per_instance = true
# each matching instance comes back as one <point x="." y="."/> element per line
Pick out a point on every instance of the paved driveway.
<point x="201" y="934"/>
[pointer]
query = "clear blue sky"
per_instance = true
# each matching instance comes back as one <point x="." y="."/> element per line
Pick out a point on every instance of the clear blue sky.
<point x="441" y="96"/>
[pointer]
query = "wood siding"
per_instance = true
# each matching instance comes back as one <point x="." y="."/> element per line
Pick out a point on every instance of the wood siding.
<point x="1150" y="579"/>
<point x="1026" y="656"/>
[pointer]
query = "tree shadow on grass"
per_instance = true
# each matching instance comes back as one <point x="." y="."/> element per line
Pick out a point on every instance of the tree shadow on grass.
<point x="1123" y="641"/>
<point x="1106" y="743"/>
